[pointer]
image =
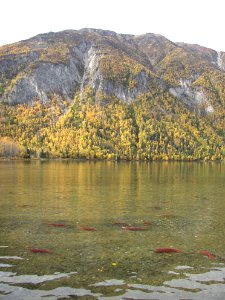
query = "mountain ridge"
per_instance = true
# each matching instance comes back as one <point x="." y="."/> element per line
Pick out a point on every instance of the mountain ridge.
<point x="99" y="59"/>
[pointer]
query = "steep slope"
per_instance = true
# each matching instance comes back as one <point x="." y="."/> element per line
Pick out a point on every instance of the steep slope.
<point x="71" y="61"/>
<point x="103" y="64"/>
<point x="194" y="76"/>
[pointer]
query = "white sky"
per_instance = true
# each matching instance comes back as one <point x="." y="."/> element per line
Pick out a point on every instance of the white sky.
<point x="192" y="21"/>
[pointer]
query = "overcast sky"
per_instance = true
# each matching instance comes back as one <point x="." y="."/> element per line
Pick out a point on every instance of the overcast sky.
<point x="192" y="21"/>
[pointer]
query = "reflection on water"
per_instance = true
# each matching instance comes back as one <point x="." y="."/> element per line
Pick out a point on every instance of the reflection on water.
<point x="194" y="286"/>
<point x="44" y="206"/>
<point x="17" y="292"/>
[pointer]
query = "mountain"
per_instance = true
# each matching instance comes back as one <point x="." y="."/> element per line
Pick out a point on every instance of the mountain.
<point x="91" y="72"/>
<point x="107" y="64"/>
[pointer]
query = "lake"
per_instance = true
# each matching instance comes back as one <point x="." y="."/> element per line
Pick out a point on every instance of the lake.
<point x="49" y="205"/>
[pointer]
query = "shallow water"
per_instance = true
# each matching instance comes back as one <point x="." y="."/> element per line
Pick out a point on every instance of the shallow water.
<point x="180" y="205"/>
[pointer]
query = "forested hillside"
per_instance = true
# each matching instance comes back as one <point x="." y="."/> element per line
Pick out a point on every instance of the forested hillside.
<point x="97" y="94"/>
<point x="142" y="130"/>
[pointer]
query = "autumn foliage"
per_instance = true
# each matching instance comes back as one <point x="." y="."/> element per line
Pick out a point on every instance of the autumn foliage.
<point x="155" y="127"/>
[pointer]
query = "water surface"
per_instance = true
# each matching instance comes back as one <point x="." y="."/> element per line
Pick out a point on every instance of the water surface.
<point x="180" y="205"/>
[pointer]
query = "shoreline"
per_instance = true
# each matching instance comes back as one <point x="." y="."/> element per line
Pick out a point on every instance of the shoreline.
<point x="108" y="160"/>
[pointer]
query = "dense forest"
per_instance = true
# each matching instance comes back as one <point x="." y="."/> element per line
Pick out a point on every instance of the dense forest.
<point x="152" y="128"/>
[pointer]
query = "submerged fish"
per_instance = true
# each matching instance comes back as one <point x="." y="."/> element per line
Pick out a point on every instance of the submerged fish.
<point x="208" y="254"/>
<point x="56" y="225"/>
<point x="167" y="250"/>
<point x="133" y="228"/>
<point x="35" y="250"/>
<point x="88" y="228"/>
<point x="146" y="223"/>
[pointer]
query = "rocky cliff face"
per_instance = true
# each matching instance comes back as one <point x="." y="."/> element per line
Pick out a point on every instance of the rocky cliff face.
<point x="103" y="64"/>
